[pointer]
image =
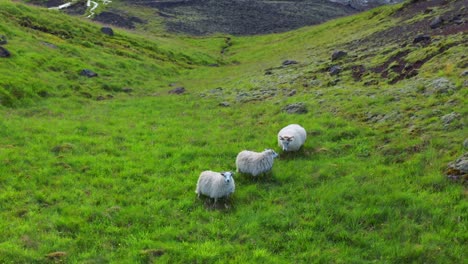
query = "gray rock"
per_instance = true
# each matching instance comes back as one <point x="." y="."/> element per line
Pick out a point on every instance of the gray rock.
<point x="224" y="104"/>
<point x="449" y="118"/>
<point x="4" y="53"/>
<point x="127" y="90"/>
<point x="108" y="31"/>
<point x="458" y="19"/>
<point x="297" y="108"/>
<point x="289" y="62"/>
<point x="50" y="45"/>
<point x="422" y="38"/>
<point x="465" y="143"/>
<point x="464" y="73"/>
<point x="291" y="93"/>
<point x="338" y="55"/>
<point x="458" y="169"/>
<point x="440" y="86"/>
<point x="178" y="90"/>
<point x="88" y="73"/>
<point x="335" y="70"/>
<point x="436" y="22"/>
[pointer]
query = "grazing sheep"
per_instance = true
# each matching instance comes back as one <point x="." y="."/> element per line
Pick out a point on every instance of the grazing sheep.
<point x="255" y="163"/>
<point x="215" y="184"/>
<point x="292" y="137"/>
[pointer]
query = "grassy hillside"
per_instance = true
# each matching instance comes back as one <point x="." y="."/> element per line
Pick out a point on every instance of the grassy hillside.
<point x="91" y="172"/>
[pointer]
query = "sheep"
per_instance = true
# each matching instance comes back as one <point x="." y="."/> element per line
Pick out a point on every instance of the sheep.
<point x="215" y="184"/>
<point x="255" y="163"/>
<point x="292" y="137"/>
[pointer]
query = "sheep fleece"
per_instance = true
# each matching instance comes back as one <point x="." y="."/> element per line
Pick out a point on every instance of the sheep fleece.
<point x="212" y="184"/>
<point x="253" y="162"/>
<point x="297" y="132"/>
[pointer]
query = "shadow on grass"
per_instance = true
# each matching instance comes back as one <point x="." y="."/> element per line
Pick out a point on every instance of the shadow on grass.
<point x="303" y="153"/>
<point x="264" y="178"/>
<point x="222" y="204"/>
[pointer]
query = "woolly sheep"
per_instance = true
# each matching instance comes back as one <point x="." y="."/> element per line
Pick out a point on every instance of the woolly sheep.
<point x="255" y="163"/>
<point x="291" y="137"/>
<point x="215" y="184"/>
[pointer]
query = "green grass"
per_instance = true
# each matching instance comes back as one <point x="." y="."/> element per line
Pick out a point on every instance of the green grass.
<point x="113" y="181"/>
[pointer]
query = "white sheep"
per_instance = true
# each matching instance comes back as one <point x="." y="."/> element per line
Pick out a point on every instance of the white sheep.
<point x="292" y="137"/>
<point x="255" y="163"/>
<point x="215" y="184"/>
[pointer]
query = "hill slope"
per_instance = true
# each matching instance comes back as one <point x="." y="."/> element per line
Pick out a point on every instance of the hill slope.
<point x="103" y="169"/>
<point x="203" y="17"/>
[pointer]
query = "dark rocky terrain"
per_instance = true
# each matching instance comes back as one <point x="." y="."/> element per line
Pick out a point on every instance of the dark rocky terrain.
<point x="236" y="17"/>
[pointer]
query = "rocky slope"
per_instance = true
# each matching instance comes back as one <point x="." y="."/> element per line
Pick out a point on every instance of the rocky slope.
<point x="237" y="17"/>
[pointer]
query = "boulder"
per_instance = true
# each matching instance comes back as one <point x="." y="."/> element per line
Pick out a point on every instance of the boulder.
<point x="108" y="31"/>
<point x="127" y="90"/>
<point x="440" y="86"/>
<point x="338" y="54"/>
<point x="224" y="104"/>
<point x="4" y="53"/>
<point x="297" y="108"/>
<point x="335" y="70"/>
<point x="178" y="90"/>
<point x="88" y="73"/>
<point x="450" y="118"/>
<point x="458" y="169"/>
<point x="436" y="22"/>
<point x="289" y="62"/>
<point x="422" y="38"/>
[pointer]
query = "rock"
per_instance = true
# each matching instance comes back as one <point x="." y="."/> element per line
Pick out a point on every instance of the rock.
<point x="86" y="95"/>
<point x="289" y="62"/>
<point x="3" y="40"/>
<point x="291" y="93"/>
<point x="88" y="73"/>
<point x="100" y="98"/>
<point x="224" y="104"/>
<point x="436" y="22"/>
<point x="108" y="31"/>
<point x="127" y="90"/>
<point x="422" y="38"/>
<point x="334" y="70"/>
<point x="440" y="86"/>
<point x="268" y="72"/>
<point x="465" y="143"/>
<point x="50" y="45"/>
<point x="178" y="90"/>
<point x="458" y="169"/>
<point x="464" y="73"/>
<point x="338" y="55"/>
<point x="458" y="19"/>
<point x="297" y="108"/>
<point x="4" y="53"/>
<point x="449" y="118"/>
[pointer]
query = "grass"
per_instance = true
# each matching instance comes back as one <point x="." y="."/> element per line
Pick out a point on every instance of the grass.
<point x="112" y="181"/>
